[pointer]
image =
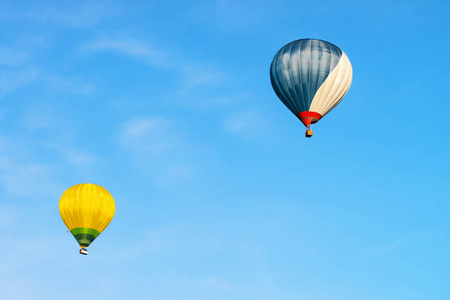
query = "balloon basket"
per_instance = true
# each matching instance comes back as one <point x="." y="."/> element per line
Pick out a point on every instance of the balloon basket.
<point x="308" y="133"/>
<point x="83" y="251"/>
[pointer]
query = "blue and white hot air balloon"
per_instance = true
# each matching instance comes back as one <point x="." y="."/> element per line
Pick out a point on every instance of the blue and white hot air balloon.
<point x="310" y="77"/>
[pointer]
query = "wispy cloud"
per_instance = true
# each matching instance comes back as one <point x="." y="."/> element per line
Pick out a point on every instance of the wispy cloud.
<point x="31" y="180"/>
<point x="82" y="160"/>
<point x="153" y="241"/>
<point x="231" y="15"/>
<point x="66" y="85"/>
<point x="37" y="118"/>
<point x="79" y="157"/>
<point x="24" y="175"/>
<point x="40" y="148"/>
<point x="192" y="238"/>
<point x="13" y="80"/>
<point x="152" y="134"/>
<point x="69" y="14"/>
<point x="246" y="123"/>
<point x="144" y="51"/>
<point x="205" y="88"/>
<point x="60" y="136"/>
<point x="196" y="77"/>
<point x="159" y="145"/>
<point x="12" y="57"/>
<point x="197" y="84"/>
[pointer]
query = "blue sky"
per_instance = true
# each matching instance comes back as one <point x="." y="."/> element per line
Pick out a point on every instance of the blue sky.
<point x="168" y="105"/>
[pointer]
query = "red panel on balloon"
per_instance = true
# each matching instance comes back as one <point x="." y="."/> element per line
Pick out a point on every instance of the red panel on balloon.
<point x="309" y="117"/>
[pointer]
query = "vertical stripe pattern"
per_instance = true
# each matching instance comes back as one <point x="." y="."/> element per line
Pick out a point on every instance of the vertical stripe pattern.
<point x="310" y="75"/>
<point x="86" y="209"/>
<point x="334" y="88"/>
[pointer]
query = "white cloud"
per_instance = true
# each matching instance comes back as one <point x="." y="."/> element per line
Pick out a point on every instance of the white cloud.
<point x="133" y="48"/>
<point x="245" y="123"/>
<point x="79" y="157"/>
<point x="36" y="119"/>
<point x="42" y="117"/>
<point x="158" y="240"/>
<point x="14" y="80"/>
<point x="231" y="15"/>
<point x="31" y="180"/>
<point x="153" y="134"/>
<point x="196" y="77"/>
<point x="157" y="144"/>
<point x="41" y="148"/>
<point x="12" y="57"/>
<point x="66" y="85"/>
<point x="176" y="173"/>
<point x="204" y="88"/>
<point x="64" y="13"/>
<point x="82" y="160"/>
<point x="192" y="238"/>
<point x="11" y="81"/>
<point x="197" y="84"/>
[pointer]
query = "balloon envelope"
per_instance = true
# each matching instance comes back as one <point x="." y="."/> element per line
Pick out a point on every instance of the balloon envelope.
<point x="86" y="209"/>
<point x="310" y="77"/>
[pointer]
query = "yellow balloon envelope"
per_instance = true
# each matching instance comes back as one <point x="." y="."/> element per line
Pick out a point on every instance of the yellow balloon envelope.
<point x="86" y="209"/>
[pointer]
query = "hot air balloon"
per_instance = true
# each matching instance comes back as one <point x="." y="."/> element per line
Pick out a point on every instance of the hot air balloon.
<point x="86" y="209"/>
<point x="310" y="77"/>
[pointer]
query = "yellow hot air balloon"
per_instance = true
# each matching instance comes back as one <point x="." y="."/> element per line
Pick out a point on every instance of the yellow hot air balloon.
<point x="86" y="209"/>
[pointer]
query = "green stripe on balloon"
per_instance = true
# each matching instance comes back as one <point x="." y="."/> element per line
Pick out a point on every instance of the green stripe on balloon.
<point x="85" y="236"/>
